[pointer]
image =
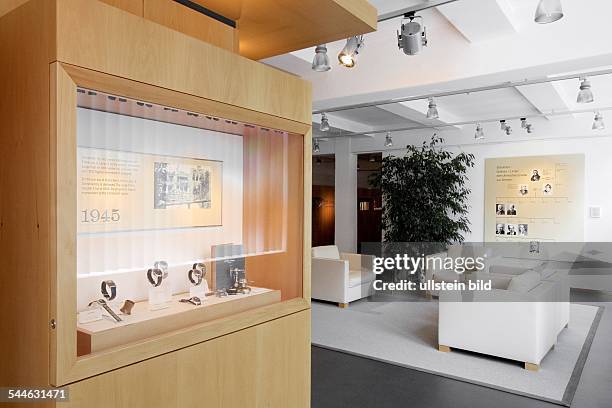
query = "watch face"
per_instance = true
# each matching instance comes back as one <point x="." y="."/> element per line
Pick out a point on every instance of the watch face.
<point x="163" y="266"/>
<point x="109" y="289"/>
<point x="155" y="276"/>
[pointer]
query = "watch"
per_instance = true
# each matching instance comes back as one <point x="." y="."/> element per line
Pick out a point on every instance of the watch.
<point x="163" y="266"/>
<point x="109" y="289"/>
<point x="155" y="276"/>
<point x="196" y="273"/>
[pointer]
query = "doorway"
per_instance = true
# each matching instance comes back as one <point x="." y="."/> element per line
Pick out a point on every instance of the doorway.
<point x="323" y="199"/>
<point x="369" y="200"/>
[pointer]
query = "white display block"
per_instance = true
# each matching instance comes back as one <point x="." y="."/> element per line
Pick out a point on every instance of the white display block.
<point x="200" y="291"/>
<point x="90" y="315"/>
<point x="160" y="297"/>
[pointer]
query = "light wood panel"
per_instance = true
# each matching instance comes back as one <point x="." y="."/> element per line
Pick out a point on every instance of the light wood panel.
<point x="66" y="368"/>
<point x="267" y="365"/>
<point x="273" y="27"/>
<point x="144" y="323"/>
<point x="25" y="193"/>
<point x="7" y="6"/>
<point x="95" y="36"/>
<point x="181" y="18"/>
<point x="149" y="93"/>
<point x="273" y="202"/>
<point x="131" y="6"/>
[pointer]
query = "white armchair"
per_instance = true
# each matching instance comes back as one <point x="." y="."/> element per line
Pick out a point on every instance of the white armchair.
<point x="517" y="320"/>
<point x="340" y="277"/>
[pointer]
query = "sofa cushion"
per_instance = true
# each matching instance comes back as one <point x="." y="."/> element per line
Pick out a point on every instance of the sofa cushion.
<point x="446" y="276"/>
<point x="507" y="270"/>
<point x="525" y="282"/>
<point x="327" y="251"/>
<point x="356" y="278"/>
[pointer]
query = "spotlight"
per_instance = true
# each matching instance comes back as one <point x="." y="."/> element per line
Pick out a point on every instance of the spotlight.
<point x="548" y="11"/>
<point x="598" y="123"/>
<point x="479" y="135"/>
<point x="320" y="62"/>
<point x="388" y="140"/>
<point x="505" y="127"/>
<point x="315" y="146"/>
<point x="348" y="55"/>
<point x="526" y="125"/>
<point x="413" y="35"/>
<point x="324" y="127"/>
<point x="585" y="95"/>
<point x="432" y="111"/>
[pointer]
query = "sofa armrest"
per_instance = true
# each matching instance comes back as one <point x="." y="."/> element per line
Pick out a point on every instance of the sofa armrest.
<point x="358" y="262"/>
<point x="329" y="279"/>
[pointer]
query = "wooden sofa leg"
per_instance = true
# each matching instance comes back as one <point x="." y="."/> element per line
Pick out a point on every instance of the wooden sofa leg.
<point x="343" y="305"/>
<point x="532" y="367"/>
<point x="444" y="349"/>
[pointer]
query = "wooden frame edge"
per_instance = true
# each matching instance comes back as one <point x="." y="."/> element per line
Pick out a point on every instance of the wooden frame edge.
<point x="65" y="368"/>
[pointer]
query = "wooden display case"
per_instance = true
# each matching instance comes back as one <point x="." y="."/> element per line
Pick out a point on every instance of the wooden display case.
<point x="247" y="356"/>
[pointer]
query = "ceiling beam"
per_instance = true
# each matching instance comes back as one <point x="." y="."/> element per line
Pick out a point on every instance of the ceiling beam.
<point x="416" y="111"/>
<point x="481" y="20"/>
<point x="546" y="97"/>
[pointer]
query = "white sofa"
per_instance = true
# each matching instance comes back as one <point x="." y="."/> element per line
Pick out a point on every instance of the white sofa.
<point x="516" y="320"/>
<point x="508" y="267"/>
<point x="340" y="277"/>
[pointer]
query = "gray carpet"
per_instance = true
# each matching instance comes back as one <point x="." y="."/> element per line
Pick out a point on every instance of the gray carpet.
<point x="405" y="334"/>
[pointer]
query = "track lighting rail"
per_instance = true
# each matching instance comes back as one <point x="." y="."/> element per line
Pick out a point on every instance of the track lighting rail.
<point x="464" y="91"/>
<point x="471" y="122"/>
<point x="413" y="9"/>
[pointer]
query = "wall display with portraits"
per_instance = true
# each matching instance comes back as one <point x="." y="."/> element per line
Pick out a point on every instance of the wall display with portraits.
<point x="535" y="198"/>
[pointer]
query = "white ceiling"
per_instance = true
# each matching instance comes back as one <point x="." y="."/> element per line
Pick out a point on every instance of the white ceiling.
<point x="472" y="43"/>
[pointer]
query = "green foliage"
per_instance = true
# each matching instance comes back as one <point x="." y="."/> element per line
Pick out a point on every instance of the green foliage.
<point x="425" y="194"/>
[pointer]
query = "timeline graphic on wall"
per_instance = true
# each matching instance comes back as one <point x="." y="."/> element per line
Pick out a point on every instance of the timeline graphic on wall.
<point x="534" y="198"/>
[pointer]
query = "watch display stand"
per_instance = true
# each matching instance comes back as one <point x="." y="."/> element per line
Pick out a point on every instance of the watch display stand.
<point x="199" y="290"/>
<point x="160" y="296"/>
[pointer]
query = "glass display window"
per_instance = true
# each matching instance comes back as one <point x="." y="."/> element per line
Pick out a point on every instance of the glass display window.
<point x="181" y="218"/>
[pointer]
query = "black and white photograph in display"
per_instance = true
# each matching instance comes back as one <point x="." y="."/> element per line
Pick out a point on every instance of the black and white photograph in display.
<point x="500" y="209"/>
<point x="181" y="185"/>
<point x="500" y="229"/>
<point x="510" y="209"/>
<point x="511" y="229"/>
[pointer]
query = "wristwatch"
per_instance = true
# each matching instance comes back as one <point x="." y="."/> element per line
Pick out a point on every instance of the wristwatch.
<point x="109" y="289"/>
<point x="196" y="273"/>
<point x="102" y="303"/>
<point x="163" y="266"/>
<point x="155" y="276"/>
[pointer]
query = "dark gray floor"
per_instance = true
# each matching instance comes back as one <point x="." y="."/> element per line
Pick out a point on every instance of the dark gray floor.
<point x="343" y="380"/>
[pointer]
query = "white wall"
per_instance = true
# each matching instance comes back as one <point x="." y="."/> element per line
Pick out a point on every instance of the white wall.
<point x="346" y="196"/>
<point x="561" y="136"/>
<point x="125" y="256"/>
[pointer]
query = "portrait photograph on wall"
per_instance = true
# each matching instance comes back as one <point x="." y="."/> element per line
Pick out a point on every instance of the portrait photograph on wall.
<point x="534" y="198"/>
